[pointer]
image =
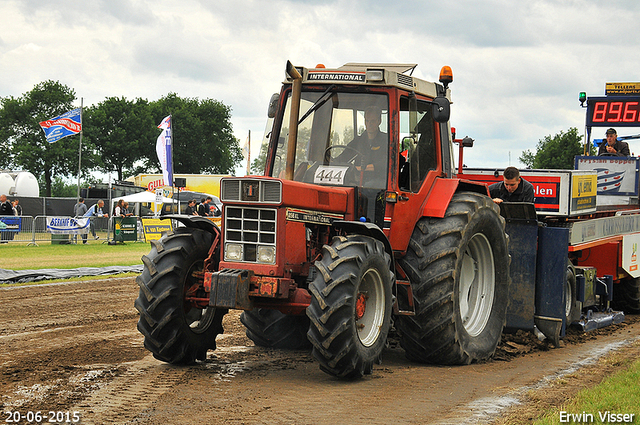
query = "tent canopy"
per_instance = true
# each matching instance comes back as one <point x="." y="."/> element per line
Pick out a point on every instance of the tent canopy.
<point x="137" y="198"/>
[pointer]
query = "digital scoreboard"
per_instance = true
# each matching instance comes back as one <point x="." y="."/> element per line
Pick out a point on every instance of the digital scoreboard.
<point x="613" y="111"/>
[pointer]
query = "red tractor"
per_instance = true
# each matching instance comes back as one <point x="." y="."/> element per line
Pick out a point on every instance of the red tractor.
<point x="357" y="226"/>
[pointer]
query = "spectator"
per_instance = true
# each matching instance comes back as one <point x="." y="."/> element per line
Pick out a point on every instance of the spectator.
<point x="191" y="208"/>
<point x="215" y="211"/>
<point x="5" y="206"/>
<point x="79" y="210"/>
<point x="98" y="212"/>
<point x="125" y="210"/>
<point x="204" y="208"/>
<point x="5" y="209"/>
<point x="17" y="208"/>
<point x="117" y="211"/>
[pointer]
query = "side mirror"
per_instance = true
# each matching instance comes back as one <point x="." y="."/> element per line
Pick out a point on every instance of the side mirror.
<point x="273" y="105"/>
<point x="441" y="109"/>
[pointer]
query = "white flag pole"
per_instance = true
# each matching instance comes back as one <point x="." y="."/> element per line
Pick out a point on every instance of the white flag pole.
<point x="249" y="153"/>
<point x="80" y="150"/>
<point x="173" y="169"/>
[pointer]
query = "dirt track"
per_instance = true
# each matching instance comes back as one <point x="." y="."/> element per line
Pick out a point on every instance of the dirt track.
<point x="75" y="347"/>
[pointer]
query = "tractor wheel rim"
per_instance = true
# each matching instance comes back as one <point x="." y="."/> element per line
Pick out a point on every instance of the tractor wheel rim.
<point x="369" y="324"/>
<point x="477" y="285"/>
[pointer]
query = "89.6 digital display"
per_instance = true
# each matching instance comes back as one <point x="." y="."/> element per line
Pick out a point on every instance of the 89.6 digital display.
<point x="613" y="111"/>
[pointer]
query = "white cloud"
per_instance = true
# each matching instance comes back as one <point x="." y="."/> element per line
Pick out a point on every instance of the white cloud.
<point x="518" y="66"/>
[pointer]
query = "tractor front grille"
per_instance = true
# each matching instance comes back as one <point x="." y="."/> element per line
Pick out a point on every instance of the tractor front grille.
<point x="251" y="190"/>
<point x="252" y="229"/>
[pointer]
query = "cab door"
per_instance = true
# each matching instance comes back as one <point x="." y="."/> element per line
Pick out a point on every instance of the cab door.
<point x="419" y="165"/>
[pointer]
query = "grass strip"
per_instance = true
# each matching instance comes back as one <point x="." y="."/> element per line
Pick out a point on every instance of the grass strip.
<point x="93" y="254"/>
<point x="608" y="402"/>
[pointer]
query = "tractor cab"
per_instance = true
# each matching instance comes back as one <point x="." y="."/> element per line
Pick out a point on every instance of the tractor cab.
<point x="365" y="126"/>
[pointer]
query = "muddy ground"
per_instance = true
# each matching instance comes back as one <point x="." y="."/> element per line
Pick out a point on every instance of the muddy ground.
<point x="74" y="348"/>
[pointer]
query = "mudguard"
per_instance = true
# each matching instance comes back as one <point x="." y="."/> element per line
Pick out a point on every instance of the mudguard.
<point x="550" y="279"/>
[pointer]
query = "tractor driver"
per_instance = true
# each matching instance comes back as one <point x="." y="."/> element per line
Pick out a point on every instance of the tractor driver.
<point x="372" y="143"/>
<point x="512" y="188"/>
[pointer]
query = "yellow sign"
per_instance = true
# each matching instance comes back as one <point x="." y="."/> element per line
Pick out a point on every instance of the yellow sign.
<point x="583" y="191"/>
<point x="622" y="88"/>
<point x="154" y="228"/>
<point x="204" y="183"/>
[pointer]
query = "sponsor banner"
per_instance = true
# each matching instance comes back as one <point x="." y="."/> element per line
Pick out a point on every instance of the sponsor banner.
<point x="617" y="176"/>
<point x="630" y="254"/>
<point x="600" y="228"/>
<point x="163" y="149"/>
<point x="67" y="225"/>
<point x="125" y="229"/>
<point x="10" y="224"/>
<point x="153" y="228"/>
<point x="583" y="192"/>
<point x="621" y="89"/>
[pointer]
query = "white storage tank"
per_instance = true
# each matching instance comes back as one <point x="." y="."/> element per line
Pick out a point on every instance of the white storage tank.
<point x="6" y="183"/>
<point x="27" y="185"/>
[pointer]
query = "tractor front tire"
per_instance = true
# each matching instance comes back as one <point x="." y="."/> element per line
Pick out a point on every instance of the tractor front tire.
<point x="174" y="330"/>
<point x="273" y="329"/>
<point x="458" y="266"/>
<point x="350" y="309"/>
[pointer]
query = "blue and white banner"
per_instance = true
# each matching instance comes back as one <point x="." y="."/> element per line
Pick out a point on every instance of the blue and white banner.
<point x="64" y="125"/>
<point x="67" y="225"/>
<point x="163" y="149"/>
<point x="10" y="224"/>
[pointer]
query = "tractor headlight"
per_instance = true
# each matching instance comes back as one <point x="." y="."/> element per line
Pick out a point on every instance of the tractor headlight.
<point x="266" y="254"/>
<point x="233" y="252"/>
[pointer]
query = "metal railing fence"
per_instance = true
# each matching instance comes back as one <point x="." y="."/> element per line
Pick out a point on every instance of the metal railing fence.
<point x="32" y="230"/>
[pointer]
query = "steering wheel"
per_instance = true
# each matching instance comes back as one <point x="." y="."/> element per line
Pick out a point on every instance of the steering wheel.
<point x="327" y="154"/>
<point x="357" y="153"/>
<point x="608" y="154"/>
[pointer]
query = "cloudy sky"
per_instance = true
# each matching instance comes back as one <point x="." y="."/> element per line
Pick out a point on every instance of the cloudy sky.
<point x="518" y="65"/>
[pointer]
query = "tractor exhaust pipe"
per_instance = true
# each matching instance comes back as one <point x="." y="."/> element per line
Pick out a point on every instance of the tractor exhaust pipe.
<point x="296" y="91"/>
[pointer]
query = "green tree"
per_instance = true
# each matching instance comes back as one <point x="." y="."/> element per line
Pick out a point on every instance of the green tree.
<point x="203" y="140"/>
<point x="258" y="164"/>
<point x="25" y="146"/>
<point x="555" y="152"/>
<point x="121" y="131"/>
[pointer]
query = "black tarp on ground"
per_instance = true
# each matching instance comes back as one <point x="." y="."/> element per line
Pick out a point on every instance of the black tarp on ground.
<point x="23" y="276"/>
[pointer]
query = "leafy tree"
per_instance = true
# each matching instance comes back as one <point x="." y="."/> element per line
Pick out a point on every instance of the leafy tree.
<point x="258" y="164"/>
<point x="61" y="188"/>
<point x="25" y="146"/>
<point x="203" y="140"/>
<point x="555" y="152"/>
<point x="121" y="130"/>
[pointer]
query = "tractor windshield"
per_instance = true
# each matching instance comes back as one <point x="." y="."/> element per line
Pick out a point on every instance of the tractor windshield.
<point x="343" y="139"/>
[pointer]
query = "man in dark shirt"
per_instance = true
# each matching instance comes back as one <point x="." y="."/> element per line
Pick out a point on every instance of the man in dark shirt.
<point x="613" y="146"/>
<point x="372" y="143"/>
<point x="191" y="208"/>
<point x="512" y="188"/>
<point x="5" y="209"/>
<point x="204" y="209"/>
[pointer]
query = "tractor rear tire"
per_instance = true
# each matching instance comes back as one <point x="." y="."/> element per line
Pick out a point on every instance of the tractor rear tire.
<point x="626" y="295"/>
<point x="350" y="309"/>
<point x="273" y="329"/>
<point x="175" y="331"/>
<point x="572" y="306"/>
<point x="459" y="270"/>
